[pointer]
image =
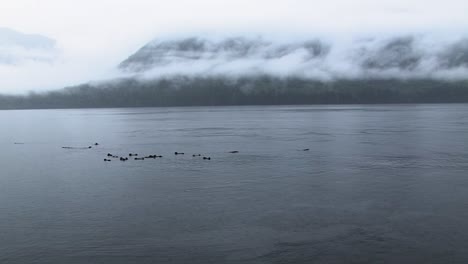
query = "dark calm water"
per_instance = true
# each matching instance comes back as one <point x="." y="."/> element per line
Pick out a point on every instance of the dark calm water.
<point x="380" y="184"/>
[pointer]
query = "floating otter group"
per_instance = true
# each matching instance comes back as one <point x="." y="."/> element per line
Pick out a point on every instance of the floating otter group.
<point x="147" y="157"/>
<point x="136" y="157"/>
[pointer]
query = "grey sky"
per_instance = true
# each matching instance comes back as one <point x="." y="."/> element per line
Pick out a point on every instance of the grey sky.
<point x="93" y="36"/>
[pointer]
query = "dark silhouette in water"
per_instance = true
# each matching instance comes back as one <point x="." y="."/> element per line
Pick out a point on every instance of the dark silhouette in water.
<point x="77" y="147"/>
<point x="179" y="153"/>
<point x="153" y="156"/>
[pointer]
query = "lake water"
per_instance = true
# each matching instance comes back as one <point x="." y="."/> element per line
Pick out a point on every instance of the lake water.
<point x="380" y="184"/>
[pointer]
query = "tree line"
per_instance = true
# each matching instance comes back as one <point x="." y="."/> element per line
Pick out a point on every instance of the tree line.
<point x="260" y="90"/>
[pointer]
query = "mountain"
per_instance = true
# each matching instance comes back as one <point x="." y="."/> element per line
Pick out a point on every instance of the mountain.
<point x="198" y="71"/>
<point x="406" y="56"/>
<point x="17" y="47"/>
<point x="163" y="53"/>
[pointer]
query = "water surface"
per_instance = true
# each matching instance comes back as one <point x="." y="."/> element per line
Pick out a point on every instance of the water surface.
<point x="380" y="184"/>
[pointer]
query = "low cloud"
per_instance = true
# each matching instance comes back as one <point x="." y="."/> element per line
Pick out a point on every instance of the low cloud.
<point x="31" y="62"/>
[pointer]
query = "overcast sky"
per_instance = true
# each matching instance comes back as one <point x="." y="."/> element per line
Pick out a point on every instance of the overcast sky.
<point x="95" y="35"/>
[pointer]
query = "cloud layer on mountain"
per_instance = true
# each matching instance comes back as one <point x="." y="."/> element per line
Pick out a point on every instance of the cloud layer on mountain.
<point x="405" y="56"/>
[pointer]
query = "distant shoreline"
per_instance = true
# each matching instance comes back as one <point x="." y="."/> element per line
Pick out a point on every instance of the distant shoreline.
<point x="247" y="91"/>
<point x="221" y="106"/>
